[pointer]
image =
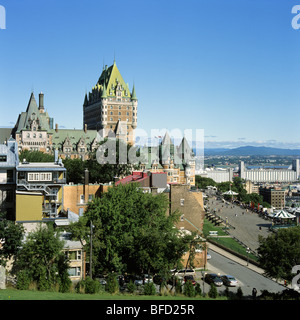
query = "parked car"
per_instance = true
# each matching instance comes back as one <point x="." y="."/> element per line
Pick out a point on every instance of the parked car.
<point x="129" y="277"/>
<point x="147" y="278"/>
<point x="157" y="279"/>
<point x="139" y="280"/>
<point x="174" y="280"/>
<point x="213" y="278"/>
<point x="229" y="280"/>
<point x="208" y="256"/>
<point x="185" y="272"/>
<point x="189" y="278"/>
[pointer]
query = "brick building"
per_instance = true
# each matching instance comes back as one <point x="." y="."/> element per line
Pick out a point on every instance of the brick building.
<point x="111" y="106"/>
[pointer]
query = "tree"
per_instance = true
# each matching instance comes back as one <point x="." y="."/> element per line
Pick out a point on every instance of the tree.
<point x="11" y="235"/>
<point x="106" y="172"/>
<point x="280" y="252"/>
<point x="132" y="232"/>
<point x="41" y="258"/>
<point x="75" y="170"/>
<point x="189" y="289"/>
<point x="35" y="156"/>
<point x="203" y="183"/>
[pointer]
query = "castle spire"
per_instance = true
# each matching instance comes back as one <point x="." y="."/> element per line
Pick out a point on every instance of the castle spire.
<point x="133" y="94"/>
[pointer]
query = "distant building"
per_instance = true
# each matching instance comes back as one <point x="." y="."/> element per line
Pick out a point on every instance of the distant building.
<point x="111" y="106"/>
<point x="39" y="191"/>
<point x="275" y="197"/>
<point x="77" y="197"/>
<point x="8" y="162"/>
<point x="270" y="175"/>
<point x="217" y="174"/>
<point x="35" y="131"/>
<point x="75" y="253"/>
<point x="177" y="162"/>
<point x="151" y="182"/>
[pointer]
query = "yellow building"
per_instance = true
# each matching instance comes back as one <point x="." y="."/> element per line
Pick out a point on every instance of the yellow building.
<point x="39" y="193"/>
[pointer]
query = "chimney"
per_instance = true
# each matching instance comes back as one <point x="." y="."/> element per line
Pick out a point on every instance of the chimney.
<point x="86" y="186"/>
<point x="85" y="128"/>
<point x="56" y="127"/>
<point x="41" y="102"/>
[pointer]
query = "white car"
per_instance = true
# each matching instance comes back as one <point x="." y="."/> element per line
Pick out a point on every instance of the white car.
<point x="208" y="256"/>
<point x="185" y="272"/>
<point x="229" y="281"/>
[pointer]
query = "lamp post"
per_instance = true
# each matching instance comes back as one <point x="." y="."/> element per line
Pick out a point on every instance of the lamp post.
<point x="248" y="251"/>
<point x="91" y="247"/>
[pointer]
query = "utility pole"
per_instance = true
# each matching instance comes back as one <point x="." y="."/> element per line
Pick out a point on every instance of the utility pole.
<point x="91" y="247"/>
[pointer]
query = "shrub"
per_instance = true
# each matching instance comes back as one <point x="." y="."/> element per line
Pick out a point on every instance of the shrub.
<point x="213" y="293"/>
<point x="112" y="285"/>
<point x="23" y="280"/>
<point x="65" y="283"/>
<point x="198" y="290"/>
<point x="189" y="289"/>
<point x="178" y="287"/>
<point x="149" y="289"/>
<point x="91" y="286"/>
<point x="131" y="287"/>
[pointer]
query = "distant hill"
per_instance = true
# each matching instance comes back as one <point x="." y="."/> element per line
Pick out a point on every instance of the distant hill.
<point x="252" y="151"/>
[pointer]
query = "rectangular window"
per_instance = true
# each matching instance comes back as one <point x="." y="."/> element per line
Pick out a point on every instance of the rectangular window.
<point x="47" y="176"/>
<point x="3" y="158"/>
<point x="82" y="198"/>
<point x="74" y="272"/>
<point x="74" y="255"/>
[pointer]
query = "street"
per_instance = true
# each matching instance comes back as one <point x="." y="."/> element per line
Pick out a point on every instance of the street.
<point x="248" y="279"/>
<point x="247" y="225"/>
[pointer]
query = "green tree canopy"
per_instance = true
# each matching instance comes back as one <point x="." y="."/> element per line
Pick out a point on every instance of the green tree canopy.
<point x="11" y="235"/>
<point x="132" y="232"/>
<point x="42" y="258"/>
<point x="279" y="252"/>
<point x="35" y="156"/>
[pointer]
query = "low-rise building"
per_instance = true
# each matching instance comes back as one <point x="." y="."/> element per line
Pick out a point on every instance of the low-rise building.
<point x="8" y="162"/>
<point x="275" y="197"/>
<point x="39" y="191"/>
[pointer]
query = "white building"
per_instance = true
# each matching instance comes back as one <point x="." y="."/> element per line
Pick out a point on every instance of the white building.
<point x="270" y="175"/>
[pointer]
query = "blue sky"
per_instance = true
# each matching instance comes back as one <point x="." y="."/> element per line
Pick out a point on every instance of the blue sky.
<point x="229" y="67"/>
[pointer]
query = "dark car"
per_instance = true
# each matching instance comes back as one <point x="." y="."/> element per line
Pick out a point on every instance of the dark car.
<point x="129" y="278"/>
<point x="213" y="278"/>
<point x="189" y="278"/>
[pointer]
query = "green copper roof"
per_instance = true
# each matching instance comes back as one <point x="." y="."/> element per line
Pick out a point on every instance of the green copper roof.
<point x="32" y="112"/>
<point x="133" y="94"/>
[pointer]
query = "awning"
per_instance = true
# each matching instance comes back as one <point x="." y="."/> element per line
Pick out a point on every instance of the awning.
<point x="282" y="214"/>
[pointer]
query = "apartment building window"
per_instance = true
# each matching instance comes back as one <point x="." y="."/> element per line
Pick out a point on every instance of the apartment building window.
<point x="74" y="255"/>
<point x="74" y="272"/>
<point x="34" y="176"/>
<point x="3" y="158"/>
<point x="10" y="176"/>
<point x="81" y="198"/>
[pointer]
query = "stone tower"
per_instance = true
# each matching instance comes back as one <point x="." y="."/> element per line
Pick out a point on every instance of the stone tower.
<point x="111" y="107"/>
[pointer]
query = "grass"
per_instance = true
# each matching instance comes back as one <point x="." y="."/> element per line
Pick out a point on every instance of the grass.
<point x="14" y="294"/>
<point x="229" y="243"/>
